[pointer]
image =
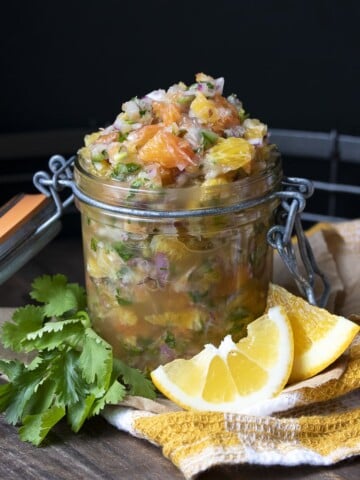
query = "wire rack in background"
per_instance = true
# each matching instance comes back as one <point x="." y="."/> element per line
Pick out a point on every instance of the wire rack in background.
<point x="332" y="162"/>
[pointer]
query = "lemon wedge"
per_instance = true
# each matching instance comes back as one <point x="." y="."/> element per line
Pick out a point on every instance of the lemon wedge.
<point x="233" y="376"/>
<point x="319" y="336"/>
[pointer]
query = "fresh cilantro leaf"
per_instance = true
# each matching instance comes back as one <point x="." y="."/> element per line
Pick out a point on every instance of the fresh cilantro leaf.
<point x="53" y="334"/>
<point x="7" y="393"/>
<point x="24" y="320"/>
<point x="96" y="359"/>
<point x="24" y="386"/>
<point x="11" y="368"/>
<point x="70" y="383"/>
<point x="84" y="317"/>
<point x="59" y="296"/>
<point x="46" y="287"/>
<point x="42" y="399"/>
<point x="36" y="427"/>
<point x="79" y="294"/>
<point x="79" y="412"/>
<point x="136" y="381"/>
<point x="113" y="396"/>
<point x="74" y="372"/>
<point x="35" y="362"/>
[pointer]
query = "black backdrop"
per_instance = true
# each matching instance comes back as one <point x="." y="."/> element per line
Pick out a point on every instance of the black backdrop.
<point x="71" y="64"/>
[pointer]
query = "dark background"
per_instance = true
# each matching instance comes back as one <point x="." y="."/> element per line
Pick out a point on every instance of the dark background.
<point x="71" y="64"/>
<point x="295" y="64"/>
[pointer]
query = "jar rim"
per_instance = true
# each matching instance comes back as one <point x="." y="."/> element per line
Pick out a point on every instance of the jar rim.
<point x="194" y="197"/>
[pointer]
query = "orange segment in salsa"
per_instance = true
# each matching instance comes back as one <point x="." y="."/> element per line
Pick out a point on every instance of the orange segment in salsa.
<point x="167" y="112"/>
<point x="168" y="150"/>
<point x="144" y="134"/>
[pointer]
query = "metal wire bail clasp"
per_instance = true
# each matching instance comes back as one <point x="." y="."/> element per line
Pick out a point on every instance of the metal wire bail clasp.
<point x="293" y="200"/>
<point x="52" y="185"/>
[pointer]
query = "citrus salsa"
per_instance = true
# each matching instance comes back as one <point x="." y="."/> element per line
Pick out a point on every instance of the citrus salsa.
<point x="160" y="288"/>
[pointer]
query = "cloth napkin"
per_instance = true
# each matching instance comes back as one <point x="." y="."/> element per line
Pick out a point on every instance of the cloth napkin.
<point x="316" y="422"/>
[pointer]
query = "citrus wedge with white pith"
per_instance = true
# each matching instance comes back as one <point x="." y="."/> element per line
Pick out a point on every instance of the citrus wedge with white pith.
<point x="233" y="376"/>
<point x="319" y="336"/>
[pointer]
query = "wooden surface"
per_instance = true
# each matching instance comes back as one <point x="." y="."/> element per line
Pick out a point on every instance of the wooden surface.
<point x="99" y="451"/>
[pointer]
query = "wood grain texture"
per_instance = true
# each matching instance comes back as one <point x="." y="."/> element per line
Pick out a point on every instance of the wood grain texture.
<point x="99" y="451"/>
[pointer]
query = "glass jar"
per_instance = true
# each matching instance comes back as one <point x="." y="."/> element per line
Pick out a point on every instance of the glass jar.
<point x="182" y="268"/>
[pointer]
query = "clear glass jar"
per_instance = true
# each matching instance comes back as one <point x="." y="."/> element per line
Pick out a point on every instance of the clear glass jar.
<point x="161" y="287"/>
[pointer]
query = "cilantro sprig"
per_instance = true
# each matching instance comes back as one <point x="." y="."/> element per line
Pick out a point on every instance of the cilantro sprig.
<point x="72" y="373"/>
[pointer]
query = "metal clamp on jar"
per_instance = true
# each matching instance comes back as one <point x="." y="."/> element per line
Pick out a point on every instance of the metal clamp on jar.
<point x="170" y="270"/>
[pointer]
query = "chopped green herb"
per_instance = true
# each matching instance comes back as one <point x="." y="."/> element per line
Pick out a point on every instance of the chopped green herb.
<point x="136" y="184"/>
<point x="258" y="256"/>
<point x="208" y="138"/>
<point x="239" y="319"/>
<point x="120" y="156"/>
<point x="99" y="156"/>
<point x="124" y="270"/>
<point x="122" y="137"/>
<point x="198" y="297"/>
<point x="185" y="100"/>
<point x="239" y="313"/>
<point x="123" y="170"/>
<point x="121" y="300"/>
<point x="133" y="167"/>
<point x="94" y="244"/>
<point x="210" y="85"/>
<point x="243" y="115"/>
<point x="170" y="340"/>
<point x="123" y="250"/>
